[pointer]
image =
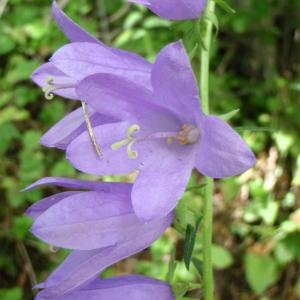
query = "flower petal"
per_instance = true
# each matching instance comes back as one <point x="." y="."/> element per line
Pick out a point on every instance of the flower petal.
<point x="35" y="210"/>
<point x="125" y="100"/>
<point x="88" y="220"/>
<point x="135" y="287"/>
<point x="83" y="157"/>
<point x="83" y="266"/>
<point x="182" y="10"/>
<point x="71" y="30"/>
<point x="163" y="177"/>
<point x="109" y="187"/>
<point x="221" y="151"/>
<point x="79" y="60"/>
<point x="45" y="71"/>
<point x="71" y="126"/>
<point x="174" y="83"/>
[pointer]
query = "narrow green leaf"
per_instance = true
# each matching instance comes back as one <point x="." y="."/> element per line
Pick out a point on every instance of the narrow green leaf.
<point x="189" y="242"/>
<point x="172" y="266"/>
<point x="193" y="52"/>
<point x="224" y="5"/>
<point x="229" y="115"/>
<point x="198" y="265"/>
<point x="254" y="129"/>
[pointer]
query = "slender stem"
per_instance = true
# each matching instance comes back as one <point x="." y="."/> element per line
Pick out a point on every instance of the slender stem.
<point x="208" y="280"/>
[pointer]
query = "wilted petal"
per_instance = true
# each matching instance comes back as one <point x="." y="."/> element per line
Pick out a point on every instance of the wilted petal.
<point x="79" y="60"/>
<point x="221" y="151"/>
<point x="163" y="178"/>
<point x="181" y="10"/>
<point x="126" y="100"/>
<point x="72" y="31"/>
<point x="83" y="266"/>
<point x="174" y="83"/>
<point x="70" y="183"/>
<point x="45" y="71"/>
<point x="70" y="127"/>
<point x="135" y="287"/>
<point x="88" y="220"/>
<point x="35" y="210"/>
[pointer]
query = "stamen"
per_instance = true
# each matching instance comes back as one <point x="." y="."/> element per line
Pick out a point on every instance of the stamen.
<point x="130" y="141"/>
<point x="90" y="129"/>
<point x="51" y="87"/>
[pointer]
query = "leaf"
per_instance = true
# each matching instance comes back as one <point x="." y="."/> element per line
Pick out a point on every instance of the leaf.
<point x="223" y="4"/>
<point x="172" y="266"/>
<point x="189" y="242"/>
<point x="193" y="52"/>
<point x="256" y="129"/>
<point x="198" y="265"/>
<point x="261" y="272"/>
<point x="221" y="257"/>
<point x="229" y="115"/>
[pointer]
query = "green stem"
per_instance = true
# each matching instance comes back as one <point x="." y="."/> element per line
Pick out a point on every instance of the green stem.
<point x="208" y="280"/>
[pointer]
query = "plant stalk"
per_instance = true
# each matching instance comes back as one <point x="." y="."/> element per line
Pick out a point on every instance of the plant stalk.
<point x="208" y="280"/>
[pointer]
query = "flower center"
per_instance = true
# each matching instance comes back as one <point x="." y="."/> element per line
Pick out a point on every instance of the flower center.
<point x="188" y="134"/>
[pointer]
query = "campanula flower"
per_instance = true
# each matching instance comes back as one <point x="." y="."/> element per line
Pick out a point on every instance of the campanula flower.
<point x="99" y="223"/>
<point x="175" y="9"/>
<point x="85" y="55"/>
<point x="133" y="287"/>
<point x="163" y="134"/>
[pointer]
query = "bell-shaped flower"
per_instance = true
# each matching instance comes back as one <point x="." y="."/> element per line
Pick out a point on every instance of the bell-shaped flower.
<point x="87" y="220"/>
<point x="175" y="9"/>
<point x="163" y="134"/>
<point x="85" y="55"/>
<point x="99" y="223"/>
<point x="133" y="287"/>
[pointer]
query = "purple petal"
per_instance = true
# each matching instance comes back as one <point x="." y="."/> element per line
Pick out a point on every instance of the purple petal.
<point x="79" y="60"/>
<point x="88" y="220"/>
<point x="133" y="286"/>
<point x="174" y="83"/>
<point x="71" y="30"/>
<point x="41" y="75"/>
<point x="109" y="187"/>
<point x="70" y="127"/>
<point x="181" y="10"/>
<point x="35" y="210"/>
<point x="221" y="151"/>
<point x="126" y="100"/>
<point x="83" y="157"/>
<point x="164" y="177"/>
<point x="83" y="266"/>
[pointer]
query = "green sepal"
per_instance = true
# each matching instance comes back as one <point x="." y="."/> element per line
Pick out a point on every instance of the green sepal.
<point x="229" y="115"/>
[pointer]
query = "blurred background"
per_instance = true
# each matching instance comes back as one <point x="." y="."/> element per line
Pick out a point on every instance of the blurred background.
<point x="255" y="67"/>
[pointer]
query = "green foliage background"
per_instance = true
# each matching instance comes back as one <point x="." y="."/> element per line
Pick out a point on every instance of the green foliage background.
<point x="255" y="67"/>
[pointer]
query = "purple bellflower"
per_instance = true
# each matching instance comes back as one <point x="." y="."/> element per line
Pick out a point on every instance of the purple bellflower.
<point x="162" y="133"/>
<point x="98" y="223"/>
<point x="133" y="287"/>
<point x="175" y="9"/>
<point x="85" y="55"/>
